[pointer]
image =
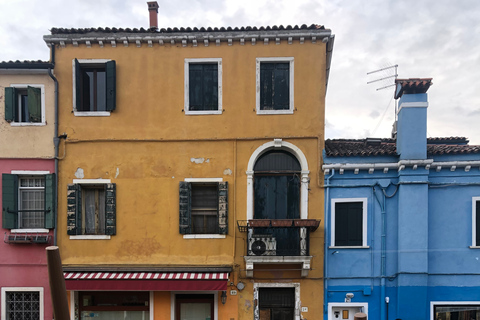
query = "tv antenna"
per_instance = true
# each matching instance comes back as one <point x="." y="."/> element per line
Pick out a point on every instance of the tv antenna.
<point x="385" y="76"/>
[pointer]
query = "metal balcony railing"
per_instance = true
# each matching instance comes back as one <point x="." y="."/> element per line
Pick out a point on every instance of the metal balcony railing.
<point x="286" y="237"/>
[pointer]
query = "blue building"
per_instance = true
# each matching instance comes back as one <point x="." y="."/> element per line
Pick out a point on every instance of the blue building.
<point x="402" y="221"/>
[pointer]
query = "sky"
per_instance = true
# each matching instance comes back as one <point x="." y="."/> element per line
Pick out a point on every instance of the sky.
<point x="437" y="39"/>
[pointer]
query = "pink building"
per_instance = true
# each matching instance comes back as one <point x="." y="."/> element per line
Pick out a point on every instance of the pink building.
<point x="27" y="166"/>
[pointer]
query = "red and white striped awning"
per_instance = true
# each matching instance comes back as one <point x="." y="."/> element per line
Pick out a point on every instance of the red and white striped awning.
<point x="158" y="281"/>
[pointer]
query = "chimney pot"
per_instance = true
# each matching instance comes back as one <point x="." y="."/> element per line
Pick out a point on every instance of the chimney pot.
<point x="153" y="10"/>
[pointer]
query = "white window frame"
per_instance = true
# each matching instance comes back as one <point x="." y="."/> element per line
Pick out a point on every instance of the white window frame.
<point x="447" y="303"/>
<point x="187" y="85"/>
<point x="279" y="144"/>
<point x="91" y="182"/>
<point x="21" y="173"/>
<point x="204" y="236"/>
<point x="474" y="223"/>
<point x="19" y="289"/>
<point x="291" y="90"/>
<point x="364" y="222"/>
<point x="256" y="286"/>
<point x="173" y="301"/>
<point x="332" y="305"/>
<point x="90" y="63"/>
<point x="42" y="102"/>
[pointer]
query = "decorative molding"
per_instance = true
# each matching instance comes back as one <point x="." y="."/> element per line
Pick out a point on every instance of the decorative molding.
<point x="205" y="42"/>
<point x="265" y="41"/>
<point x="150" y="43"/>
<point x="88" y="43"/>
<point x="217" y="42"/>
<point x="302" y="40"/>
<point x="290" y="40"/>
<point x="138" y="43"/>
<point x="314" y="39"/>
<point x="100" y="43"/>
<point x="125" y="43"/>
<point x="62" y="44"/>
<point x="254" y="41"/>
<point x="250" y="262"/>
<point x="277" y="41"/>
<point x="242" y="42"/>
<point x="230" y="42"/>
<point x="75" y="43"/>
<point x="113" y="43"/>
<point x="184" y="43"/>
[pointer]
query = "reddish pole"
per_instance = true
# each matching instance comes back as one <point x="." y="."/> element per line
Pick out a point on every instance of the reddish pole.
<point x="360" y="316"/>
<point x="57" y="284"/>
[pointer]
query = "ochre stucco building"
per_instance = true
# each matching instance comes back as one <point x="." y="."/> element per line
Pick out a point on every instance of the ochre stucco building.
<point x="177" y="141"/>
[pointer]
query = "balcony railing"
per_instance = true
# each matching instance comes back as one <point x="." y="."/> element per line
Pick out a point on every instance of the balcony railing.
<point x="289" y="237"/>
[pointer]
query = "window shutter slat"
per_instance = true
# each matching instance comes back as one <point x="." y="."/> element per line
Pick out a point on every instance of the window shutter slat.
<point x="110" y="209"/>
<point x="10" y="95"/>
<point x="50" y="189"/>
<point x="34" y="104"/>
<point x="110" y="68"/>
<point x="223" y="207"/>
<point x="74" y="209"/>
<point x="78" y="86"/>
<point x="185" y="206"/>
<point x="9" y="200"/>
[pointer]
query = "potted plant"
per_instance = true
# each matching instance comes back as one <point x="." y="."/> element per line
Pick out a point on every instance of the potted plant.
<point x="307" y="223"/>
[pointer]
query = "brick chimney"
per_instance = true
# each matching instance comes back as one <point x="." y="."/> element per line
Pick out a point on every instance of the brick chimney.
<point x="153" y="10"/>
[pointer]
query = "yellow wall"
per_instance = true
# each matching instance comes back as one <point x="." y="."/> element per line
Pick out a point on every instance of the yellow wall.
<point x="148" y="145"/>
<point x="27" y="141"/>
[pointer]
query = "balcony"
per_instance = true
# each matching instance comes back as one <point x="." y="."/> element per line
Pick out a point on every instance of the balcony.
<point x="284" y="241"/>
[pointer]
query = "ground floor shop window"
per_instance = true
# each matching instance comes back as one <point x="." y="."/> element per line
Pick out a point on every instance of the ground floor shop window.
<point x="194" y="306"/>
<point x="22" y="303"/>
<point x="113" y="305"/>
<point x="457" y="312"/>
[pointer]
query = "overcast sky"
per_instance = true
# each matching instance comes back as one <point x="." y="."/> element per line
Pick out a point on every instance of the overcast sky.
<point x="437" y="39"/>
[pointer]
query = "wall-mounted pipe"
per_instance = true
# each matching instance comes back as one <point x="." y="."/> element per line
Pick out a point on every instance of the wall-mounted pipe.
<point x="326" y="237"/>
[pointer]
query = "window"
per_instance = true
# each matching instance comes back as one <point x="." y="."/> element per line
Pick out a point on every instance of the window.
<point x="276" y="301"/>
<point x="113" y="305"/>
<point x="22" y="303"/>
<point x="203" y="206"/>
<point x="457" y="312"/>
<point x="203" y="86"/>
<point x="194" y="306"/>
<point x="274" y="85"/>
<point x="349" y="222"/>
<point x="94" y="87"/>
<point x="476" y="222"/>
<point x="25" y="104"/>
<point x="91" y="208"/>
<point x="28" y="200"/>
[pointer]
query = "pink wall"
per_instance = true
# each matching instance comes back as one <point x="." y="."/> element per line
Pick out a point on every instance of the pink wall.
<point x="25" y="265"/>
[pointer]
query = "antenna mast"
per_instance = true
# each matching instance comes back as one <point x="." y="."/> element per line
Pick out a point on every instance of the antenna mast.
<point x="395" y="75"/>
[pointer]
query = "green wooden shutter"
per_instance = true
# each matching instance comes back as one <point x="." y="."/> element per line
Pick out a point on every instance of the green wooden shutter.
<point x="74" y="209"/>
<point x="110" y="209"/>
<point x="9" y="200"/>
<point x="78" y="87"/>
<point x="223" y="208"/>
<point x="185" y="205"/>
<point x="110" y="69"/>
<point x="34" y="104"/>
<point x="10" y="99"/>
<point x="50" y="200"/>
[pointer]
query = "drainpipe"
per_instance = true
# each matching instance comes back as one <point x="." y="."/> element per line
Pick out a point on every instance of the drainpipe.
<point x="383" y="252"/>
<point x="327" y="233"/>
<point x="56" y="142"/>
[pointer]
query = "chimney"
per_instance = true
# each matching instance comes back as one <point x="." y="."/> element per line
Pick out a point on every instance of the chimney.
<point x="153" y="10"/>
<point x="412" y="117"/>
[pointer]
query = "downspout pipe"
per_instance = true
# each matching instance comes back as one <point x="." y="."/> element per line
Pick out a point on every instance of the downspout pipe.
<point x="383" y="253"/>
<point x="326" y="238"/>
<point x="56" y="141"/>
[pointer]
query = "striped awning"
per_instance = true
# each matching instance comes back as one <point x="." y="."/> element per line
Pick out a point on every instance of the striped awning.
<point x="158" y="281"/>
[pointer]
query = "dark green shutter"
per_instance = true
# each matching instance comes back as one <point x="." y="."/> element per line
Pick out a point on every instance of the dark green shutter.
<point x="203" y="87"/>
<point x="74" y="209"/>
<point x="111" y="72"/>
<point x="223" y="208"/>
<point x="274" y="86"/>
<point x="10" y="94"/>
<point x="110" y="209"/>
<point x="34" y="104"/>
<point x="78" y="86"/>
<point x="348" y="224"/>
<point x="9" y="200"/>
<point x="50" y="200"/>
<point x="185" y="205"/>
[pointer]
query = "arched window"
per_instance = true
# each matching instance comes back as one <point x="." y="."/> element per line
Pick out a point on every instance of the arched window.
<point x="276" y="182"/>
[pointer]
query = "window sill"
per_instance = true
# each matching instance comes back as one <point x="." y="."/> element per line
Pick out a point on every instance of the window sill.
<point x="349" y="247"/>
<point x="199" y="113"/>
<point x="28" y="124"/>
<point x="204" y="236"/>
<point x="290" y="111"/>
<point x="39" y="230"/>
<point x="90" y="237"/>
<point x="474" y="247"/>
<point x="92" y="113"/>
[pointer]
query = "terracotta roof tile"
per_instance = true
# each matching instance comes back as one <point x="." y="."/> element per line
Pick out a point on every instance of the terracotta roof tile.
<point x="412" y="85"/>
<point x="387" y="147"/>
<point x="182" y="30"/>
